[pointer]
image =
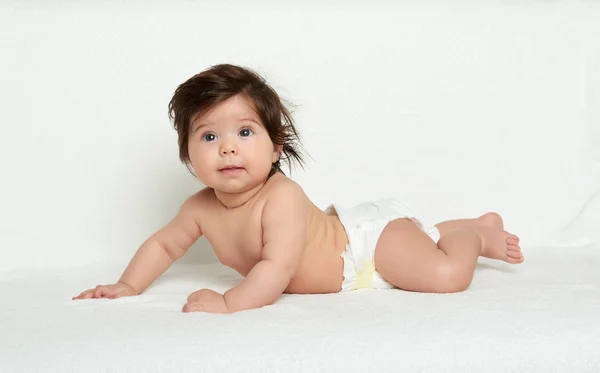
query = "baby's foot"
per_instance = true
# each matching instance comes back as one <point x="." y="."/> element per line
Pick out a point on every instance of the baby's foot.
<point x="498" y="244"/>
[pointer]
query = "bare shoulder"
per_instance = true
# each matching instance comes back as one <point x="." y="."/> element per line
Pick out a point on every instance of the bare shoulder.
<point x="198" y="204"/>
<point x="284" y="200"/>
<point x="285" y="191"/>
<point x="186" y="227"/>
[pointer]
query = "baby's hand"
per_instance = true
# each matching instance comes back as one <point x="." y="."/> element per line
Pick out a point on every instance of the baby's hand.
<point x="108" y="291"/>
<point x="206" y="300"/>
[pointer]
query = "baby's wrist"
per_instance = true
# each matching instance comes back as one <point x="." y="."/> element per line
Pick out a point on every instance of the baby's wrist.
<point x="131" y="287"/>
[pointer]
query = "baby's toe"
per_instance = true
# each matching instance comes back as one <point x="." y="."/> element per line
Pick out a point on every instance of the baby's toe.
<point x="514" y="260"/>
<point x="513" y="247"/>
<point x="512" y="240"/>
<point x="513" y="254"/>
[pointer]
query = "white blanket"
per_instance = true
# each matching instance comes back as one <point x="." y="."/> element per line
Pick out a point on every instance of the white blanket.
<point x="541" y="316"/>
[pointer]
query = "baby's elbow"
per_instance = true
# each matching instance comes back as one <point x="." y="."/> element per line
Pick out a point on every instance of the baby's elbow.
<point x="175" y="252"/>
<point x="170" y="248"/>
<point x="288" y="270"/>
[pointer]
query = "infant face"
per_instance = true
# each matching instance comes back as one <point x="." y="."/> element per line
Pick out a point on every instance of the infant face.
<point x="230" y="150"/>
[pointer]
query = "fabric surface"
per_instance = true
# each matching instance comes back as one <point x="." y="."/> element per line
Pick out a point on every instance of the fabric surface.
<point x="540" y="316"/>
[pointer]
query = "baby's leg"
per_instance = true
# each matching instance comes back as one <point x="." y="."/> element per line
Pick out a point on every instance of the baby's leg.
<point x="491" y="219"/>
<point x="409" y="259"/>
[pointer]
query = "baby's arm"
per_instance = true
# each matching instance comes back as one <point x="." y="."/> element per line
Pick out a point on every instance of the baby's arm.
<point x="156" y="254"/>
<point x="163" y="248"/>
<point x="284" y="235"/>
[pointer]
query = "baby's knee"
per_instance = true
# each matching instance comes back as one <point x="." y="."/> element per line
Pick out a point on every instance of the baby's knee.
<point x="451" y="278"/>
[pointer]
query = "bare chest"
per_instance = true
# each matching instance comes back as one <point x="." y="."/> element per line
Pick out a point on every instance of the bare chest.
<point x="236" y="238"/>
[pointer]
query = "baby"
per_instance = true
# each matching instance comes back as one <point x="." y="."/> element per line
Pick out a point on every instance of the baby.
<point x="233" y="131"/>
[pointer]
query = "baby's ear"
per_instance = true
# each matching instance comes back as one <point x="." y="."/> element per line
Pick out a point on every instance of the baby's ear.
<point x="278" y="149"/>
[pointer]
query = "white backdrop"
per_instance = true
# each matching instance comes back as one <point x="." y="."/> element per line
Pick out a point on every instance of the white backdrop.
<point x="457" y="109"/>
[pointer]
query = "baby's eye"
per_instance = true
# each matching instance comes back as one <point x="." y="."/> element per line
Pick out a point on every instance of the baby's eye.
<point x="246" y="132"/>
<point x="209" y="137"/>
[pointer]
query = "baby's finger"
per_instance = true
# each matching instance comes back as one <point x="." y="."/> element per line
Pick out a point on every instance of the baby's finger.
<point x="106" y="292"/>
<point x="98" y="291"/>
<point x="84" y="295"/>
<point x="87" y="294"/>
<point x="111" y="294"/>
<point x="193" y="307"/>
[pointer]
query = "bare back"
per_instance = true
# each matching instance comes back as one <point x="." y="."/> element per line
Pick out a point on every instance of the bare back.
<point x="237" y="239"/>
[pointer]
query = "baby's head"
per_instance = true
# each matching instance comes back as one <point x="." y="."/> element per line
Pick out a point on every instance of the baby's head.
<point x="229" y="114"/>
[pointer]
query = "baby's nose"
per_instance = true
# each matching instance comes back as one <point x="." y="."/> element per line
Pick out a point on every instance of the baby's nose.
<point x="228" y="149"/>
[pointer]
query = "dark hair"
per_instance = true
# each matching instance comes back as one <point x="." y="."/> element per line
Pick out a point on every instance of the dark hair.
<point x="203" y="91"/>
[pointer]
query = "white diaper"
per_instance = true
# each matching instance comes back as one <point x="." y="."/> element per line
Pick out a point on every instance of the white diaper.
<point x="364" y="224"/>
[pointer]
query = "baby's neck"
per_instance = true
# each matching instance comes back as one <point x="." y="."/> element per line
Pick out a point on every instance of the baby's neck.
<point x="234" y="200"/>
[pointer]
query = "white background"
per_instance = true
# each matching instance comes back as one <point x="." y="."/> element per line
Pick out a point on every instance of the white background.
<point x="457" y="108"/>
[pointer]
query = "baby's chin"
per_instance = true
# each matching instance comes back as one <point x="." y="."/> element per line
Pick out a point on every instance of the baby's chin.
<point x="237" y="186"/>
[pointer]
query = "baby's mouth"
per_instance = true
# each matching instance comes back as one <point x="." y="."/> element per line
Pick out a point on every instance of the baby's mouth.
<point x="231" y="168"/>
